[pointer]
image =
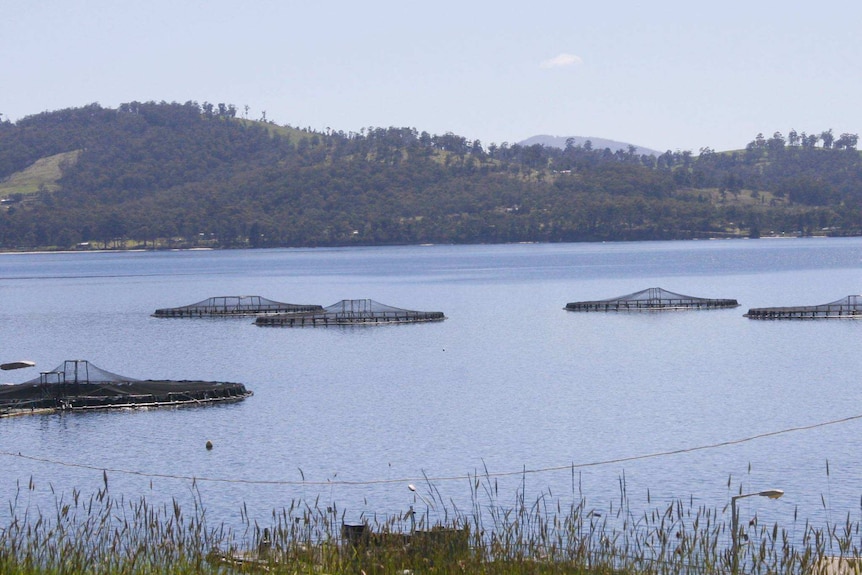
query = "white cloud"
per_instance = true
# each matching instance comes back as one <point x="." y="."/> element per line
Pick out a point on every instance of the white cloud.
<point x="562" y="61"/>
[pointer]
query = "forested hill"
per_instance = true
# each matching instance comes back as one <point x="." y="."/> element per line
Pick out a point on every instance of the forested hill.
<point x="182" y="175"/>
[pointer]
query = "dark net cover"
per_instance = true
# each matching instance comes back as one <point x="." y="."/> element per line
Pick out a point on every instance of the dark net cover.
<point x="651" y="299"/>
<point x="352" y="311"/>
<point x="234" y="305"/>
<point x="79" y="371"/>
<point x="849" y="307"/>
<point x="80" y="385"/>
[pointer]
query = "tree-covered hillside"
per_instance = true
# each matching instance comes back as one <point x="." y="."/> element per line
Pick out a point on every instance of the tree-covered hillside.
<point x="168" y="174"/>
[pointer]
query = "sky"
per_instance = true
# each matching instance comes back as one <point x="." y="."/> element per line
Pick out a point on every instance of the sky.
<point x="665" y="75"/>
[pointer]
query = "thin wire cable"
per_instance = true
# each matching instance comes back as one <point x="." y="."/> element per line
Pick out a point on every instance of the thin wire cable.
<point x="520" y="472"/>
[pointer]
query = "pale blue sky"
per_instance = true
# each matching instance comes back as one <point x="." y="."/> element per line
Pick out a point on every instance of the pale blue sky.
<point x="664" y="75"/>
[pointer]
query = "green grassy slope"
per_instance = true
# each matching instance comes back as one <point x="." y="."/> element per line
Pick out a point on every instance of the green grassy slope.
<point x="42" y="174"/>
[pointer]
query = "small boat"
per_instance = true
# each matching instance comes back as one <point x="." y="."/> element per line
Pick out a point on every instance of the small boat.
<point x="78" y="385"/>
<point x="17" y="365"/>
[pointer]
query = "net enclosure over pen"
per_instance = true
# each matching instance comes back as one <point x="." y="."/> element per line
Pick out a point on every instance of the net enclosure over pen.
<point x="652" y="299"/>
<point x="351" y="312"/>
<point x="78" y="385"/>
<point x="234" y="305"/>
<point x="849" y="307"/>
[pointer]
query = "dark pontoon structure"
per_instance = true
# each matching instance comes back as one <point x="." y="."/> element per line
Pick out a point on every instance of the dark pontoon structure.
<point x="652" y="299"/>
<point x="234" y="306"/>
<point x="78" y="385"/>
<point x="351" y="312"/>
<point x="849" y="307"/>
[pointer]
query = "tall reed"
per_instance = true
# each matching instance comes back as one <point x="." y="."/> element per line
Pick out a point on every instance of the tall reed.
<point x="101" y="534"/>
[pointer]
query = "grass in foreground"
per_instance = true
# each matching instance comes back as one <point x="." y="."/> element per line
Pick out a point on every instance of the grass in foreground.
<point x="104" y="535"/>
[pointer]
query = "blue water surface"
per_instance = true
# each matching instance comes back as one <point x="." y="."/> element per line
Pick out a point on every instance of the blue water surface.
<point x="511" y="388"/>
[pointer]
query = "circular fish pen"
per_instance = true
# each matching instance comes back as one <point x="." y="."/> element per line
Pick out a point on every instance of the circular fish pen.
<point x="351" y="312"/>
<point x="78" y="385"/>
<point x="234" y="306"/>
<point x="849" y="307"/>
<point x="652" y="299"/>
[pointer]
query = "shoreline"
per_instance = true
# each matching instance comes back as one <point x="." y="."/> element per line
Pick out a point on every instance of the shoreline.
<point x="205" y="249"/>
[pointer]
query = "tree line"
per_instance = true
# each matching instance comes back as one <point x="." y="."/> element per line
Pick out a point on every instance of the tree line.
<point x="158" y="174"/>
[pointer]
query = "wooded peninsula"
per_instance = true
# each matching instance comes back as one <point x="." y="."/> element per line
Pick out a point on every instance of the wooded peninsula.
<point x="151" y="175"/>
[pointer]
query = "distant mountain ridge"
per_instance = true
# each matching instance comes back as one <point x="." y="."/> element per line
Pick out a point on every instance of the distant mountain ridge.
<point x="597" y="143"/>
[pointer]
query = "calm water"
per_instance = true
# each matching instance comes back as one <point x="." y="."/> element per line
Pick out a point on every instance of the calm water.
<point x="509" y="382"/>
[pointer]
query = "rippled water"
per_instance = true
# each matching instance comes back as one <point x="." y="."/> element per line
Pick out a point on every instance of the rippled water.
<point x="509" y="383"/>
